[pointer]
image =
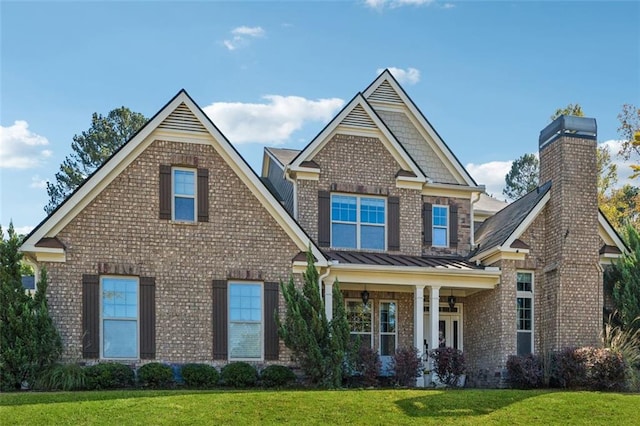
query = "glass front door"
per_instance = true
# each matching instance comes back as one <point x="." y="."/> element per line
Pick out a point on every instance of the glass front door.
<point x="449" y="328"/>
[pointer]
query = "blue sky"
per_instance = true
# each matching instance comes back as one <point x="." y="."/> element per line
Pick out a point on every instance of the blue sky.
<point x="487" y="75"/>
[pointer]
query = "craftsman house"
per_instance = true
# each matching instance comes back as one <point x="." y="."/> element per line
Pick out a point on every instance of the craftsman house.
<point x="174" y="248"/>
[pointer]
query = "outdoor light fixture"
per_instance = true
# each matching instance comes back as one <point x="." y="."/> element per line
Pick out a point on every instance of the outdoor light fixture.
<point x="365" y="296"/>
<point x="452" y="301"/>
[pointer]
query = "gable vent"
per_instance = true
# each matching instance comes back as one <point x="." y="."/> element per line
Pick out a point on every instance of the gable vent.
<point x="183" y="119"/>
<point x="358" y="117"/>
<point x="385" y="93"/>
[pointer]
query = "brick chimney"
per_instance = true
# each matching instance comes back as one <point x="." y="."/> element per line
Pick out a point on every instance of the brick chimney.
<point x="569" y="302"/>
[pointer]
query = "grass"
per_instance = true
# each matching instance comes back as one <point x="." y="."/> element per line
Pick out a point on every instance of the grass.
<point x="407" y="406"/>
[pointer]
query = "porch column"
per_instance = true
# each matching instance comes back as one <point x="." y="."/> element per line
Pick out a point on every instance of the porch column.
<point x="434" y="316"/>
<point x="328" y="301"/>
<point x="418" y="319"/>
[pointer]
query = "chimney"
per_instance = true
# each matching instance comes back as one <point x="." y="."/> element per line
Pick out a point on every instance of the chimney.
<point x="570" y="300"/>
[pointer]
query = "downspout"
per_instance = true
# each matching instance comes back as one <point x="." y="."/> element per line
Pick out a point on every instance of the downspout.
<point x="295" y="191"/>
<point x="472" y="227"/>
<point x="323" y="276"/>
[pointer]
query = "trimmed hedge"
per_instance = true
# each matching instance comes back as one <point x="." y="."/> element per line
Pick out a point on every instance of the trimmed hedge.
<point x="156" y="376"/>
<point x="200" y="376"/>
<point x="239" y="375"/>
<point x="109" y="375"/>
<point x="277" y="376"/>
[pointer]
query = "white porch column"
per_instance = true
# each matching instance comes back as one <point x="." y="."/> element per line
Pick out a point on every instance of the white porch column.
<point x="434" y="316"/>
<point x="328" y="301"/>
<point x="418" y="319"/>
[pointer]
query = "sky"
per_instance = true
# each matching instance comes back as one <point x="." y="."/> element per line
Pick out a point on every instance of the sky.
<point x="487" y="75"/>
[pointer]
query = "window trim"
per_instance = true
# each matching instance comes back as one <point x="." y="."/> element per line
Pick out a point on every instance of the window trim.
<point x="434" y="226"/>
<point x="386" y="333"/>
<point x="102" y="317"/>
<point x="526" y="295"/>
<point x="229" y="320"/>
<point x="194" y="197"/>
<point x="370" y="334"/>
<point x="358" y="224"/>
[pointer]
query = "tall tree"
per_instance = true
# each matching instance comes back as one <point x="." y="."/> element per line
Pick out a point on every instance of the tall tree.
<point x="90" y="149"/>
<point x="523" y="177"/>
<point x="629" y="131"/>
<point x="625" y="276"/>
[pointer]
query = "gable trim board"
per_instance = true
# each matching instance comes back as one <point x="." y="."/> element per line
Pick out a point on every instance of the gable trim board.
<point x="127" y="153"/>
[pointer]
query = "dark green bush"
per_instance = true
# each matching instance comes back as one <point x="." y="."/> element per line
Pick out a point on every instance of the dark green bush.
<point x="406" y="366"/>
<point x="239" y="375"/>
<point x="525" y="372"/>
<point x="109" y="375"/>
<point x="62" y="377"/>
<point x="277" y="376"/>
<point x="200" y="376"/>
<point x="156" y="376"/>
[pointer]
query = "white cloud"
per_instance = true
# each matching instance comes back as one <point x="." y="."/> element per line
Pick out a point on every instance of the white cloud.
<point x="448" y="6"/>
<point x="491" y="175"/>
<point x="242" y="36"/>
<point x="20" y="148"/>
<point x="38" y="183"/>
<point x="408" y="76"/>
<point x="380" y="4"/>
<point x="271" y="122"/>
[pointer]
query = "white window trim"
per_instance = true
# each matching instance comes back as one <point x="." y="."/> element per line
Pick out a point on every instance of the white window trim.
<point x="195" y="194"/>
<point x="386" y="333"/>
<point x="370" y="334"/>
<point x="459" y="316"/>
<point x="229" y="321"/>
<point x="434" y="226"/>
<point x="357" y="223"/>
<point x="102" y="318"/>
<point x="526" y="295"/>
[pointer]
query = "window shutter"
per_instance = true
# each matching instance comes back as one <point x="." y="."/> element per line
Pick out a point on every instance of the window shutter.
<point x="90" y="316"/>
<point x="324" y="218"/>
<point x="427" y="224"/>
<point x="453" y="225"/>
<point x="203" y="195"/>
<point x="165" y="192"/>
<point x="147" y="317"/>
<point x="271" y="339"/>
<point x="220" y="319"/>
<point x="393" y="235"/>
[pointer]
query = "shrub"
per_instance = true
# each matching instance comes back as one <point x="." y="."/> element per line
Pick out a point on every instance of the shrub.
<point x="239" y="375"/>
<point x="200" y="376"/>
<point x="156" y="375"/>
<point x="277" y="376"/>
<point x="109" y="375"/>
<point x="406" y="365"/>
<point x="368" y="365"/>
<point x="605" y="368"/>
<point x="525" y="372"/>
<point x="66" y="377"/>
<point x="567" y="369"/>
<point x="448" y="364"/>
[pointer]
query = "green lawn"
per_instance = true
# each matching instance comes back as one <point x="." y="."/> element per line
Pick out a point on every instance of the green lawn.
<point x="320" y="407"/>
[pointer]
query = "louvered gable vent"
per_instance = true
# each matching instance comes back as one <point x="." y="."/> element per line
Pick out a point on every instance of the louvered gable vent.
<point x="182" y="119"/>
<point x="385" y="93"/>
<point x="359" y="118"/>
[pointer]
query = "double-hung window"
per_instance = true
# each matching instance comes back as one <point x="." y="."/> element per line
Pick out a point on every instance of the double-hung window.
<point x="245" y="321"/>
<point x="359" y="319"/>
<point x="440" y="229"/>
<point x="119" y="301"/>
<point x="358" y="222"/>
<point x="388" y="329"/>
<point x="524" y="313"/>
<point x="184" y="194"/>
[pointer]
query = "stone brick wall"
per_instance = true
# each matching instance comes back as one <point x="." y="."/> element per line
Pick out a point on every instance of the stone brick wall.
<point x="121" y="226"/>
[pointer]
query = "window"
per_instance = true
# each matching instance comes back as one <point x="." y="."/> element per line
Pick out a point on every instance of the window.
<point x="245" y="321"/>
<point x="359" y="319"/>
<point x="184" y="195"/>
<point x="357" y="222"/>
<point x="524" y="313"/>
<point x="387" y="328"/>
<point x="440" y="226"/>
<point x="119" y="301"/>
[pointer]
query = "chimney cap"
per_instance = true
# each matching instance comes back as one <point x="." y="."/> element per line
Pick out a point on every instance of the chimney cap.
<point x="580" y="127"/>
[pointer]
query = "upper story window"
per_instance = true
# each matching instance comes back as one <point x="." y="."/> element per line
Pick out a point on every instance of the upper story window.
<point x="524" y="312"/>
<point x="440" y="226"/>
<point x="184" y="195"/>
<point x="245" y="321"/>
<point x="358" y="222"/>
<point x="119" y="301"/>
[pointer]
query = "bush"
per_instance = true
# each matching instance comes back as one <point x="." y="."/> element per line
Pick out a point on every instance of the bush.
<point x="277" y="376"/>
<point x="448" y="364"/>
<point x="605" y="368"/>
<point x="406" y="365"/>
<point x="567" y="369"/>
<point x="525" y="372"/>
<point x="156" y="375"/>
<point x="368" y="366"/>
<point x="200" y="376"/>
<point x="239" y="375"/>
<point x="109" y="375"/>
<point x="66" y="377"/>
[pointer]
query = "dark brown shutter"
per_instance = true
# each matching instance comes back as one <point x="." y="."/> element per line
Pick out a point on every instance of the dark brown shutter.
<point x="203" y="195"/>
<point x="427" y="224"/>
<point x="165" y="192"/>
<point x="453" y="225"/>
<point x="324" y="218"/>
<point x="393" y="236"/>
<point x="147" y="317"/>
<point x="271" y="339"/>
<point x="90" y="316"/>
<point x="219" y="319"/>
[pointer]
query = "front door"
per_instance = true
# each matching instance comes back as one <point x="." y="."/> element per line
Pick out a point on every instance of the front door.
<point x="449" y="327"/>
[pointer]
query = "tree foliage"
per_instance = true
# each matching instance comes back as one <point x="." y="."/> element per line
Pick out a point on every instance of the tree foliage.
<point x="629" y="131"/>
<point x="90" y="149"/>
<point x="625" y="277"/>
<point x="570" y="109"/>
<point x="523" y="177"/>
<point x="320" y="346"/>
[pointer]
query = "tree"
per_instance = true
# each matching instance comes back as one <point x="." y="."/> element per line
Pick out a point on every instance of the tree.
<point x="622" y="207"/>
<point x="320" y="346"/>
<point x="629" y="131"/>
<point x="523" y="177"/>
<point x="570" y="109"/>
<point x="91" y="148"/>
<point x="625" y="277"/>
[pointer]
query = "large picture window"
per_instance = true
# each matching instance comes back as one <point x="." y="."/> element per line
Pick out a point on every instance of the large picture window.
<point x="440" y="228"/>
<point x="357" y="222"/>
<point x="184" y="195"/>
<point x="359" y="319"/>
<point x="388" y="329"/>
<point x="119" y="301"/>
<point x="524" y="313"/>
<point x="245" y="321"/>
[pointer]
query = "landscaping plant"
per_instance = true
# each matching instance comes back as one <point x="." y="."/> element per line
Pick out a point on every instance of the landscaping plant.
<point x="156" y="376"/>
<point x="239" y="375"/>
<point x="201" y="376"/>
<point x="406" y="365"/>
<point x="276" y="376"/>
<point x="448" y="364"/>
<point x="109" y="375"/>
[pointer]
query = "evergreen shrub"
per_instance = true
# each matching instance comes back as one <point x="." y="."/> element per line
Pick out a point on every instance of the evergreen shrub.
<point x="239" y="375"/>
<point x="201" y="376"/>
<point x="156" y="376"/>
<point x="109" y="375"/>
<point x="277" y="376"/>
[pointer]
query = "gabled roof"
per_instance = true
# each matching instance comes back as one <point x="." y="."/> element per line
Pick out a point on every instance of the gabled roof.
<point x="283" y="155"/>
<point x="386" y="89"/>
<point x="180" y="114"/>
